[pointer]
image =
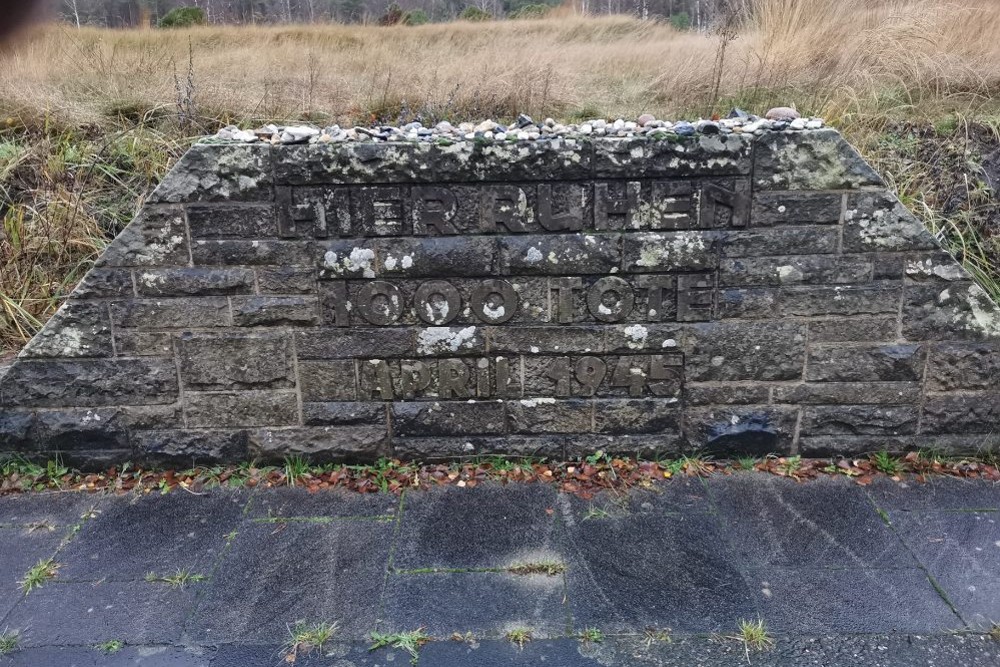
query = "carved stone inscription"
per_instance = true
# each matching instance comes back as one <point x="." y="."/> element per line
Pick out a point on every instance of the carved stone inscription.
<point x="445" y="210"/>
<point x="718" y="293"/>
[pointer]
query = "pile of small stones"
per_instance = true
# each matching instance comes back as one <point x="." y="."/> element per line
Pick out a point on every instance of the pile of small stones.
<point x="526" y="129"/>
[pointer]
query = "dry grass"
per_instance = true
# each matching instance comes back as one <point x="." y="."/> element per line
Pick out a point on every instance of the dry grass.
<point x="827" y="56"/>
<point x="90" y="119"/>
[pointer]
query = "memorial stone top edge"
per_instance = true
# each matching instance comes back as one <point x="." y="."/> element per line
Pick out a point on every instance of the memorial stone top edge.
<point x="790" y="160"/>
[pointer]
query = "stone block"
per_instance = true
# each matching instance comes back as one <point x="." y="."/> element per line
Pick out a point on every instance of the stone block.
<point x="795" y="208"/>
<point x="850" y="300"/>
<point x="943" y="311"/>
<point x="218" y="172"/>
<point x="546" y="340"/>
<point x="577" y="254"/>
<point x="773" y="350"/>
<point x="139" y="343"/>
<point x="78" y="329"/>
<point x="877" y="221"/>
<point x="232" y="222"/>
<point x="649" y="415"/>
<point x="192" y="313"/>
<point x="89" y="382"/>
<point x="748" y="303"/>
<point x="190" y="446"/>
<point x="765" y="241"/>
<point x="328" y="380"/>
<point x="436" y="257"/>
<point x="934" y="266"/>
<point x="232" y="252"/>
<point x="157" y="237"/>
<point x="193" y="282"/>
<point x="438" y="447"/>
<point x="964" y="366"/>
<point x="82" y="429"/>
<point x="286" y="280"/>
<point x="345" y="343"/>
<point x="104" y="283"/>
<point x="727" y="394"/>
<point x="251" y="311"/>
<point x="854" y="329"/>
<point x="703" y="155"/>
<point x="448" y="418"/>
<point x="817" y="160"/>
<point x="866" y="363"/>
<point x="241" y="409"/>
<point x="236" y="361"/>
<point x="344" y="413"/>
<point x="859" y="420"/>
<point x="753" y="430"/>
<point x="320" y="443"/>
<point x="795" y="270"/>
<point x="970" y="413"/>
<point x="849" y="393"/>
<point x="16" y="428"/>
<point x="670" y="251"/>
<point x="531" y="416"/>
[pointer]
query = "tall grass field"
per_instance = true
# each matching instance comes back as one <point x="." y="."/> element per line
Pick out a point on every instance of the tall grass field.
<point x="91" y="119"/>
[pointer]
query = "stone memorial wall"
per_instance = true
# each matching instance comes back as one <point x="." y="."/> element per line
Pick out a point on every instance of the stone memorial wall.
<point x="723" y="293"/>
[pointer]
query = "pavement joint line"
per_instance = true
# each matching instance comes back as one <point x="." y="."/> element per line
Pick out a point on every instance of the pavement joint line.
<point x="72" y="531"/>
<point x="390" y="560"/>
<point x="377" y="518"/>
<point x="228" y="540"/>
<point x="941" y="592"/>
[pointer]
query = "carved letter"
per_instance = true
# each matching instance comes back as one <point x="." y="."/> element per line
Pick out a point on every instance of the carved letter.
<point x="433" y="208"/>
<point x="696" y="297"/>
<point x="335" y="300"/>
<point x="505" y="205"/>
<point x="565" y="302"/>
<point x="610" y="299"/>
<point x="666" y="374"/>
<point x="494" y="301"/>
<point x="380" y="303"/>
<point x="453" y="378"/>
<point x="569" y="221"/>
<point x="660" y="296"/>
<point x="376" y="379"/>
<point x="723" y="207"/>
<point x="437" y="302"/>
<point x="414" y="377"/>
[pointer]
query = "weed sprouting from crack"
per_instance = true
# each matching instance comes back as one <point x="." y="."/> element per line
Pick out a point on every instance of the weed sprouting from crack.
<point x="549" y="568"/>
<point x="111" y="646"/>
<point x="9" y="641"/>
<point x="753" y="635"/>
<point x="40" y="572"/>
<point x="304" y="638"/>
<point x="591" y="636"/>
<point x="406" y="641"/>
<point x="178" y="579"/>
<point x="519" y="636"/>
<point x="657" y="636"/>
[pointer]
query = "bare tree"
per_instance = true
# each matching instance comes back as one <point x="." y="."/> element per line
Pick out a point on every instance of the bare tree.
<point x="76" y="12"/>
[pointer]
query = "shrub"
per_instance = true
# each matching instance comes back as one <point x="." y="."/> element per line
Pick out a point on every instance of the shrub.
<point x="416" y="17"/>
<point x="183" y="17"/>
<point x="680" y="21"/>
<point x="475" y="14"/>
<point x="393" y="15"/>
<point x="531" y="11"/>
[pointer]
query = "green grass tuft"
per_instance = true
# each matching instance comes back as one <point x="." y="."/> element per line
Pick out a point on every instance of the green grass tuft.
<point x="178" y="579"/>
<point x="304" y="638"/>
<point x="406" y="641"/>
<point x="9" y="641"/>
<point x="40" y="572"/>
<point x="111" y="646"/>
